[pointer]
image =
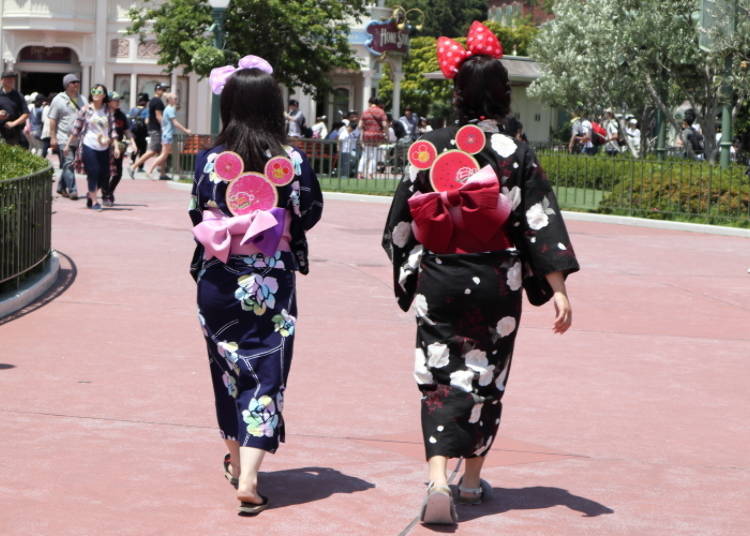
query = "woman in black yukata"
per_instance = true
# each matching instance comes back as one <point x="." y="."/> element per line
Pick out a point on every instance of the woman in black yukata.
<point x="473" y="221"/>
<point x="253" y="199"/>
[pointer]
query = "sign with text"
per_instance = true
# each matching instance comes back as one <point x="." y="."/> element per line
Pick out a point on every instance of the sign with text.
<point x="386" y="37"/>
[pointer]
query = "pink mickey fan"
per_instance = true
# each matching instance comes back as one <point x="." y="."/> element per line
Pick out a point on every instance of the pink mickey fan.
<point x="228" y="165"/>
<point x="422" y="154"/>
<point x="249" y="192"/>
<point x="279" y="170"/>
<point x="471" y="139"/>
<point x="452" y="170"/>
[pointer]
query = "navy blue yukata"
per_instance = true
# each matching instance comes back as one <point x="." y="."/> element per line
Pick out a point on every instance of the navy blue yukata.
<point x="247" y="307"/>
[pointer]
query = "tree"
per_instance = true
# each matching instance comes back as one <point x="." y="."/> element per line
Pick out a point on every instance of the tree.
<point x="450" y="18"/>
<point x="304" y="40"/>
<point x="636" y="55"/>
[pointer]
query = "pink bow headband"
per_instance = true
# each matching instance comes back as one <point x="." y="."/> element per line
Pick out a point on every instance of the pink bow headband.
<point x="219" y="75"/>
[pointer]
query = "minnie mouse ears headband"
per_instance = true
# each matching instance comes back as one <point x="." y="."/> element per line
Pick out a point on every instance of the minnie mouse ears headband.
<point x="480" y="42"/>
<point x="219" y="75"/>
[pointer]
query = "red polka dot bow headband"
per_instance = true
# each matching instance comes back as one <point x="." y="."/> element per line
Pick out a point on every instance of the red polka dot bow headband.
<point x="480" y="42"/>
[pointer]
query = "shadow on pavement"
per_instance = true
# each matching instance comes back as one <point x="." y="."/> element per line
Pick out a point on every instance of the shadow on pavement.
<point x="66" y="276"/>
<point x="5" y="366"/>
<point x="506" y="499"/>
<point x="308" y="484"/>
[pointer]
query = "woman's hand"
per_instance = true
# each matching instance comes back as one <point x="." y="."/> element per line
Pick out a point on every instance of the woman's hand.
<point x="563" y="313"/>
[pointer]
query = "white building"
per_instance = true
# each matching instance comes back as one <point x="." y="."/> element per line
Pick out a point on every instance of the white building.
<point x="45" y="39"/>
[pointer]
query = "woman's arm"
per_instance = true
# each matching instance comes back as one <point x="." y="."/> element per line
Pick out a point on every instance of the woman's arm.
<point x="181" y="127"/>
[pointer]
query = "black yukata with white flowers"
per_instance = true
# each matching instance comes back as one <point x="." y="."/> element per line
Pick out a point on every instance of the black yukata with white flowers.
<point x="468" y="305"/>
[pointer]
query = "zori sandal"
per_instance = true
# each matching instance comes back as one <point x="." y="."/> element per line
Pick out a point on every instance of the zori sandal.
<point x="438" y="507"/>
<point x="228" y="473"/>
<point x="253" y="509"/>
<point x="480" y="494"/>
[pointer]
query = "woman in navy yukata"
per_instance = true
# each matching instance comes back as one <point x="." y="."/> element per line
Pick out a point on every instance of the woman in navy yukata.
<point x="473" y="221"/>
<point x="253" y="199"/>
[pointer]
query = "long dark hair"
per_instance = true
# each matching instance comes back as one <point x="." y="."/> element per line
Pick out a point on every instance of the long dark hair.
<point x="481" y="90"/>
<point x="252" y="117"/>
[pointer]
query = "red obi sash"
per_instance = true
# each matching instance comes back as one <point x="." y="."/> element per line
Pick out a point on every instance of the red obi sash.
<point x="467" y="220"/>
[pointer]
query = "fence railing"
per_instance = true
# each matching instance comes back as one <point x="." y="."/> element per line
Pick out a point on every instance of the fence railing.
<point x="25" y="225"/>
<point x="667" y="189"/>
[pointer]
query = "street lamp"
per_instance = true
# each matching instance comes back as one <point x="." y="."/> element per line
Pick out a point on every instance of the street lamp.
<point x="218" y="9"/>
<point x="401" y="16"/>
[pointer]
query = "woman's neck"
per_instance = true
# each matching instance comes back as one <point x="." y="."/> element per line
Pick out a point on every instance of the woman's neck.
<point x="97" y="105"/>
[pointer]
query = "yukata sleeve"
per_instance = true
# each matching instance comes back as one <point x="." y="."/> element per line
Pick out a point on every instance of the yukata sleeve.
<point x="542" y="236"/>
<point x="310" y="196"/>
<point x="196" y="215"/>
<point x="399" y="243"/>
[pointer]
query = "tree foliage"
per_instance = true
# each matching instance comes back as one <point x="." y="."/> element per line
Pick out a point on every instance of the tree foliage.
<point x="634" y="55"/>
<point x="303" y="39"/>
<point x="451" y="18"/>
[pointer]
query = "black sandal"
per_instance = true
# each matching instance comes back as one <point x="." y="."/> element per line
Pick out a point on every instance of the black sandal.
<point x="253" y="509"/>
<point x="235" y="482"/>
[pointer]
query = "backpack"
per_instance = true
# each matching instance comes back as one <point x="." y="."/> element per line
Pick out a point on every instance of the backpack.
<point x="138" y="123"/>
<point x="598" y="134"/>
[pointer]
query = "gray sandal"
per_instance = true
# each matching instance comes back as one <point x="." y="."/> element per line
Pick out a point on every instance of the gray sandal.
<point x="481" y="494"/>
<point x="228" y="474"/>
<point x="438" y="507"/>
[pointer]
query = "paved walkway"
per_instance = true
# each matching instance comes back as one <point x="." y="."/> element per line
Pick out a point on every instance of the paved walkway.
<point x="634" y="423"/>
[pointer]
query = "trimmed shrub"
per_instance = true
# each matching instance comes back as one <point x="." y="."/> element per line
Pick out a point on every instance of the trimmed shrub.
<point x="17" y="162"/>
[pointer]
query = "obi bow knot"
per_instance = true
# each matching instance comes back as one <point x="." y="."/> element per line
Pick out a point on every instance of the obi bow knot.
<point x="220" y="234"/>
<point x="467" y="220"/>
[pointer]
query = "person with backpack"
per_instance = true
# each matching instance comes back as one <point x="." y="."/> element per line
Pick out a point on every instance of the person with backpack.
<point x="137" y="117"/>
<point x="692" y="140"/>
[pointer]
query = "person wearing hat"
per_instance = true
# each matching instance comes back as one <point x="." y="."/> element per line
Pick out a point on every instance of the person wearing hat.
<point x="612" y="146"/>
<point x="121" y="132"/>
<point x="633" y="134"/>
<point x="62" y="115"/>
<point x="155" y="117"/>
<point x="13" y="110"/>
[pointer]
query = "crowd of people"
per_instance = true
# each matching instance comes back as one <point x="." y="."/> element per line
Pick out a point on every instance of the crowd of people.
<point x="91" y="135"/>
<point x="367" y="141"/>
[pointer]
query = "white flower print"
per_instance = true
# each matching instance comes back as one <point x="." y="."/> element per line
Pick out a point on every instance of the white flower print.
<point x="439" y="355"/>
<point x="514" y="278"/>
<point x="484" y="447"/>
<point x="514" y="195"/>
<point x="422" y="374"/>
<point x="561" y="246"/>
<point x="412" y="173"/>
<point x="461" y="379"/>
<point x="411" y="266"/>
<point x="500" y="381"/>
<point x="506" y="326"/>
<point x="401" y="234"/>
<point x="421" y="309"/>
<point x="476" y="359"/>
<point x="503" y="145"/>
<point x="536" y="217"/>
<point x="476" y="412"/>
<point x="485" y="376"/>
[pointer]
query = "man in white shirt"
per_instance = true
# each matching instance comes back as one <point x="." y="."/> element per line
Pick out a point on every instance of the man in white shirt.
<point x="295" y="120"/>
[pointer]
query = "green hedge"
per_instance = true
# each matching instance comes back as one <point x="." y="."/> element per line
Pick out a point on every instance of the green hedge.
<point x="18" y="162"/>
<point x="600" y="172"/>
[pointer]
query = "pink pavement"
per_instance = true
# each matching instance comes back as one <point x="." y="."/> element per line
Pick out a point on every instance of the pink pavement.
<point x="633" y="423"/>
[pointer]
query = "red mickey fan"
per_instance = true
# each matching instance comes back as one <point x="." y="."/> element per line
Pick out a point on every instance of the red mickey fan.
<point x="480" y="41"/>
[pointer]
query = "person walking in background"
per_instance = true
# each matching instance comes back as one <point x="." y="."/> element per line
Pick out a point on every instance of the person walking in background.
<point x="347" y="146"/>
<point x="319" y="129"/>
<point x="461" y="255"/>
<point x="410" y="122"/>
<point x="295" y="120"/>
<point x="155" y="116"/>
<point x="64" y="110"/>
<point x="246" y="286"/>
<point x="612" y="126"/>
<point x="373" y="126"/>
<point x="424" y="126"/>
<point x="45" y="124"/>
<point x="13" y="110"/>
<point x="119" y="147"/>
<point x="168" y="125"/>
<point x="95" y="128"/>
<point x="138" y="118"/>
<point x="36" y="123"/>
<point x="633" y="134"/>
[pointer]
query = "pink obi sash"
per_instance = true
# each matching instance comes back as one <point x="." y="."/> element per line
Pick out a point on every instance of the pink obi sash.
<point x="261" y="231"/>
<point x="467" y="220"/>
